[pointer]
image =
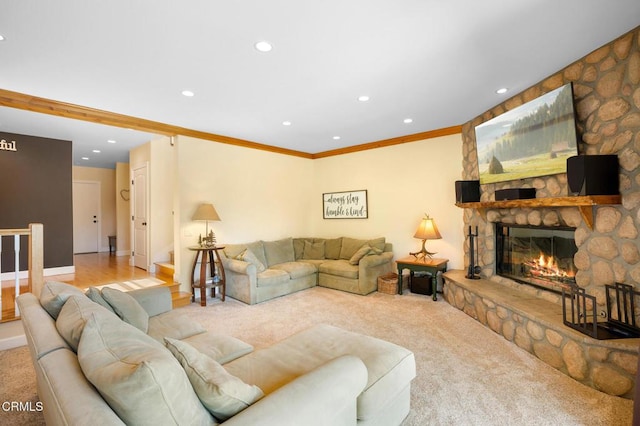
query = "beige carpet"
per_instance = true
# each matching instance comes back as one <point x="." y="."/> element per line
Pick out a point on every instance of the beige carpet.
<point x="467" y="375"/>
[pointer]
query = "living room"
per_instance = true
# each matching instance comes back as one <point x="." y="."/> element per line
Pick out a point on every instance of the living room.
<point x="403" y="182"/>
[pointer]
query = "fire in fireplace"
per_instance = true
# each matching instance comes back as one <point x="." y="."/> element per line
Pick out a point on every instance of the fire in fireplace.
<point x="539" y="256"/>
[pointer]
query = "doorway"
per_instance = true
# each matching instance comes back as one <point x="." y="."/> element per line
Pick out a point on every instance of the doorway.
<point x="86" y="216"/>
<point x="140" y="240"/>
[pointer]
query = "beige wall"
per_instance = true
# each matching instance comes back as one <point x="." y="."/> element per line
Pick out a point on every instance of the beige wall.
<point x="107" y="179"/>
<point x="161" y="200"/>
<point x="258" y="195"/>
<point x="403" y="183"/>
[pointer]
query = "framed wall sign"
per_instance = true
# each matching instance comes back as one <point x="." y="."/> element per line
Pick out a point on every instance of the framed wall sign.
<point x="345" y="205"/>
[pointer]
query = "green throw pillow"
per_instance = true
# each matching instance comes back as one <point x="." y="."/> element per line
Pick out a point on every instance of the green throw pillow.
<point x="358" y="255"/>
<point x="54" y="294"/>
<point x="137" y="376"/>
<point x="248" y="256"/>
<point x="127" y="308"/>
<point x="223" y="394"/>
<point x="313" y="251"/>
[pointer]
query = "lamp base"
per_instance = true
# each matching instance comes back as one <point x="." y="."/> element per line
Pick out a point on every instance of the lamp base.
<point x="423" y="253"/>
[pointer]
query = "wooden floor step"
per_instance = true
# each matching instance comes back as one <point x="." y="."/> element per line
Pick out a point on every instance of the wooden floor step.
<point x="165" y="269"/>
<point x="180" y="299"/>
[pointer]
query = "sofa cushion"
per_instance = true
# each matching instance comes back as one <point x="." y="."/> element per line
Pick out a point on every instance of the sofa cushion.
<point x="219" y="347"/>
<point x="279" y="251"/>
<point x="378" y="244"/>
<point x="296" y="269"/>
<point x="233" y="250"/>
<point x="257" y="248"/>
<point x="173" y="324"/>
<point x="127" y="308"/>
<point x="54" y="294"/>
<point x="95" y="295"/>
<point x="350" y="246"/>
<point x="272" y="277"/>
<point x="131" y="370"/>
<point x="313" y="250"/>
<point x="298" y="247"/>
<point x="223" y="394"/>
<point x="390" y="367"/>
<point x="358" y="255"/>
<point x="248" y="256"/>
<point x="332" y="248"/>
<point x="341" y="268"/>
<point x="73" y="316"/>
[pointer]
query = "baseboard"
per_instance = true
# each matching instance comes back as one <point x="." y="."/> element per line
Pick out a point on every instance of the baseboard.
<point x="12" y="335"/>
<point x="12" y="342"/>
<point x="47" y="272"/>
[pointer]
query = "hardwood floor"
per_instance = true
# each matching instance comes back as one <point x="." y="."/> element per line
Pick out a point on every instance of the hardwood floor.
<point x="92" y="269"/>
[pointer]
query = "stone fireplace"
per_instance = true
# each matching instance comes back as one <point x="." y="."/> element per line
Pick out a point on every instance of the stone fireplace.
<point x="606" y="87"/>
<point x="537" y="256"/>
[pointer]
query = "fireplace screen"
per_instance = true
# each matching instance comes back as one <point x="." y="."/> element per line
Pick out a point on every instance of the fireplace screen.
<point x="542" y="257"/>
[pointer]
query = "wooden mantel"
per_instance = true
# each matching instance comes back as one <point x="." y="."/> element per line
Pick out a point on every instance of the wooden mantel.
<point x="585" y="204"/>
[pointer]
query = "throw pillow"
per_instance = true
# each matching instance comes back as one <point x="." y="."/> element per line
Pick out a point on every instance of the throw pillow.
<point x="332" y="248"/>
<point x="127" y="308"/>
<point x="73" y="316"/>
<point x="132" y="371"/>
<point x="358" y="255"/>
<point x="280" y="251"/>
<point x="54" y="294"/>
<point x="223" y="394"/>
<point x="94" y="294"/>
<point x="377" y="243"/>
<point x="248" y="256"/>
<point x="313" y="251"/>
<point x="350" y="246"/>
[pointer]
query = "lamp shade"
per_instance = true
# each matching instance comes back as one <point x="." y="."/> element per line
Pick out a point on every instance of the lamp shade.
<point x="427" y="230"/>
<point x="206" y="212"/>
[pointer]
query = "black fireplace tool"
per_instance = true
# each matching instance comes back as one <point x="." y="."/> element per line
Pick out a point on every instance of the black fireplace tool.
<point x="473" y="270"/>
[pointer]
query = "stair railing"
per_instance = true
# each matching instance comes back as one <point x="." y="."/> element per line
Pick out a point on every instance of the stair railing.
<point x="35" y="248"/>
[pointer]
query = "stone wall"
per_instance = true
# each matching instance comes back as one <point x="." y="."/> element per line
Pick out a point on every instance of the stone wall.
<point x="606" y="86"/>
<point x="609" y="366"/>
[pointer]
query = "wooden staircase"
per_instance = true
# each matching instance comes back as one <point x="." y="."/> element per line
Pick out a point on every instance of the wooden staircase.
<point x="165" y="271"/>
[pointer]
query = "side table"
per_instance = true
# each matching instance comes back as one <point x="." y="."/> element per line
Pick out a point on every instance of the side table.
<point x="211" y="256"/>
<point x="427" y="265"/>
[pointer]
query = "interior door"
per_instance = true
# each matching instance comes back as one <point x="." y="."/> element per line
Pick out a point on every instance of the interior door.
<point x="139" y="216"/>
<point x="86" y="217"/>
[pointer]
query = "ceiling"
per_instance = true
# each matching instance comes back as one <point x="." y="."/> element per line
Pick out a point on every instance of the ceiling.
<point x="437" y="62"/>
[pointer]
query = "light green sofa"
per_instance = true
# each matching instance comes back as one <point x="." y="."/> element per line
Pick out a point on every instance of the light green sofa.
<point x="263" y="270"/>
<point x="95" y="365"/>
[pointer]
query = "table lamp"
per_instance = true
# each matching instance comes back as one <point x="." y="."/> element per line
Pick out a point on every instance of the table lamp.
<point x="206" y="212"/>
<point x="427" y="230"/>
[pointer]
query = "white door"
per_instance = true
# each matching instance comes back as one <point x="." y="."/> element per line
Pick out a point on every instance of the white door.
<point x="86" y="217"/>
<point x="139" y="216"/>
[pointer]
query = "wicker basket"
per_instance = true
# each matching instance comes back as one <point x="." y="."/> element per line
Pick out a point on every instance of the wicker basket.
<point x="388" y="283"/>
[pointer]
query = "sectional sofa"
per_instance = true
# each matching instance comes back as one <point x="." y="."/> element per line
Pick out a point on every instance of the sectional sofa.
<point x="113" y="358"/>
<point x="262" y="270"/>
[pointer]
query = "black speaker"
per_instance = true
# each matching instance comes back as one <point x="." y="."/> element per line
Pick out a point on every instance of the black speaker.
<point x="593" y="175"/>
<point x="515" y="194"/>
<point x="467" y="191"/>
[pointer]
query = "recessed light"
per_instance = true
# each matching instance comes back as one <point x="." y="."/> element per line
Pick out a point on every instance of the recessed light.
<point x="286" y="123"/>
<point x="363" y="98"/>
<point x="502" y="90"/>
<point x="263" y="46"/>
<point x="2" y="38"/>
<point x="97" y="151"/>
<point x="111" y="141"/>
<point x="188" y="93"/>
<point x="407" y="120"/>
<point x="85" y="158"/>
<point x="335" y="138"/>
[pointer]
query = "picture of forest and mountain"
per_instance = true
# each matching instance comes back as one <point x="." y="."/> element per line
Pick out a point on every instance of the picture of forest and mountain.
<point x="534" y="139"/>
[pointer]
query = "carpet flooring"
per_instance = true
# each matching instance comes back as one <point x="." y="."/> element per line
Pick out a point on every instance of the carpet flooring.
<point x="466" y="374"/>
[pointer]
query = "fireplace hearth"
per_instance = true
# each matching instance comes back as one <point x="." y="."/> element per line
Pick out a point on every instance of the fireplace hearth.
<point x="537" y="256"/>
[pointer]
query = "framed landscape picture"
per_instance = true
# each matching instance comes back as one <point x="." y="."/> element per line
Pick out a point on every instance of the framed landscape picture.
<point x="534" y="139"/>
